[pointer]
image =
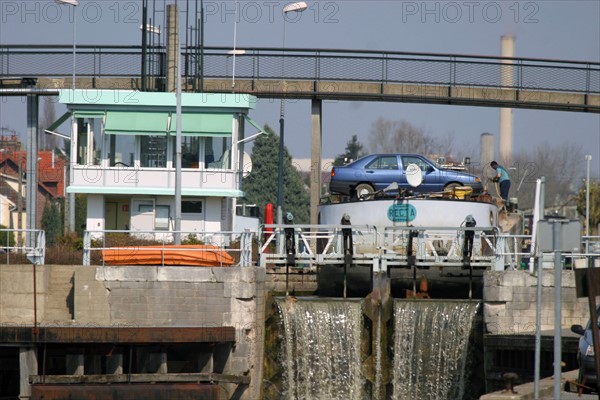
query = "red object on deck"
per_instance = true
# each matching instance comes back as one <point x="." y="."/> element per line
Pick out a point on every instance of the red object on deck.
<point x="269" y="216"/>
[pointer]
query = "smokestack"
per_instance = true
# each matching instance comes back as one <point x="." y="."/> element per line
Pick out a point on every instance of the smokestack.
<point x="486" y="143"/>
<point x="507" y="45"/>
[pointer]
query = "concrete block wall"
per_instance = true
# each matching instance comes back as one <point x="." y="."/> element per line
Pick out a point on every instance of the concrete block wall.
<point x="510" y="301"/>
<point x="146" y="296"/>
<point x="181" y="296"/>
<point x="16" y="294"/>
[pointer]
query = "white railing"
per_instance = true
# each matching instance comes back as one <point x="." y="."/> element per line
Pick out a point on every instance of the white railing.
<point x="30" y="242"/>
<point x="405" y="246"/>
<point x="315" y="244"/>
<point x="129" y="244"/>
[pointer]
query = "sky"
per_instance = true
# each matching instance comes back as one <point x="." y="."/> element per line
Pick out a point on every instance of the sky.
<point x="561" y="30"/>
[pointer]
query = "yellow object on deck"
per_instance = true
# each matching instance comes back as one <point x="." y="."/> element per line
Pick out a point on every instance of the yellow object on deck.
<point x="459" y="192"/>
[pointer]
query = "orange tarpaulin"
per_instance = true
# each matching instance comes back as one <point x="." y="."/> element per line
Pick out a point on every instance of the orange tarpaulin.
<point x="193" y="255"/>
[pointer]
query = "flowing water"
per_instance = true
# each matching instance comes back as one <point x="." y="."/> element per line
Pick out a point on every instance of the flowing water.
<point x="430" y="348"/>
<point x="321" y="350"/>
<point x="321" y="355"/>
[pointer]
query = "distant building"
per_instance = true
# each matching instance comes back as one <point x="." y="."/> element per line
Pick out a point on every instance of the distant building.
<point x="13" y="179"/>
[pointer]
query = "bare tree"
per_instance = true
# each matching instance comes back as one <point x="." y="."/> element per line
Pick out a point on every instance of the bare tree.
<point x="387" y="136"/>
<point x="561" y="166"/>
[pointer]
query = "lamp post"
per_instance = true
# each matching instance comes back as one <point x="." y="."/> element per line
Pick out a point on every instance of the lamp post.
<point x="233" y="53"/>
<point x="73" y="3"/>
<point x="588" y="159"/>
<point x="293" y="7"/>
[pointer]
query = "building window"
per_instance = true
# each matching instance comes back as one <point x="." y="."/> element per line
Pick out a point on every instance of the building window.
<point x="121" y="150"/>
<point x="191" y="206"/>
<point x="162" y="217"/>
<point x="153" y="151"/>
<point x="82" y="142"/>
<point x="190" y="152"/>
<point x="216" y="152"/>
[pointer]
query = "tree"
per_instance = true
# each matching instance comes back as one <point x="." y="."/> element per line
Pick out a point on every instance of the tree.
<point x="52" y="223"/>
<point x="261" y="185"/>
<point x="7" y="238"/>
<point x="354" y="150"/>
<point x="561" y="167"/>
<point x="387" y="136"/>
<point x="594" y="205"/>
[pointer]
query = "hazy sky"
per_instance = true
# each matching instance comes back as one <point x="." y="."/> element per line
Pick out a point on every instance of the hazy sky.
<point x="564" y="30"/>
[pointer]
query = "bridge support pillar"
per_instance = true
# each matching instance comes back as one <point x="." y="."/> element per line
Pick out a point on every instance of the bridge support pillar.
<point x="315" y="159"/>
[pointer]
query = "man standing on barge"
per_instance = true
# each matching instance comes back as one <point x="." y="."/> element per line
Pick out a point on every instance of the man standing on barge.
<point x="503" y="180"/>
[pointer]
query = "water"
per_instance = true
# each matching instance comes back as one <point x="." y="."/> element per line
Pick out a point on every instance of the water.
<point x="321" y="357"/>
<point x="324" y="343"/>
<point x="430" y="348"/>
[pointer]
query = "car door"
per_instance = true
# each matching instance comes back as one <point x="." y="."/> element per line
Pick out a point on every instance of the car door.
<point x="383" y="170"/>
<point x="431" y="178"/>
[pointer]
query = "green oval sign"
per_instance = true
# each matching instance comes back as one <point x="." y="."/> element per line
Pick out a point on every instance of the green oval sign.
<point x="402" y="213"/>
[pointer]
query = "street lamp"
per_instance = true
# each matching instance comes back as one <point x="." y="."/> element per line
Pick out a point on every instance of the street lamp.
<point x="293" y="7"/>
<point x="233" y="53"/>
<point x="73" y="3"/>
<point x="588" y="159"/>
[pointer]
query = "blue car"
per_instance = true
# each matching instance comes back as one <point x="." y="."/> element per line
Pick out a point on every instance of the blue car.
<point x="585" y="356"/>
<point x="376" y="172"/>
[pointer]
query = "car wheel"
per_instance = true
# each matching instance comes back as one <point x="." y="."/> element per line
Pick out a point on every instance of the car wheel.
<point x="363" y="189"/>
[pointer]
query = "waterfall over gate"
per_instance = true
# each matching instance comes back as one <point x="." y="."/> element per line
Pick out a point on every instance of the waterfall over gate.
<point x="331" y="349"/>
<point x="321" y="346"/>
<point x="430" y="348"/>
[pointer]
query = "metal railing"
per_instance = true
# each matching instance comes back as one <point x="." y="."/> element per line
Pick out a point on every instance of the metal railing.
<point x="16" y="243"/>
<point x="309" y="245"/>
<point x="223" y="248"/>
<point x="314" y="244"/>
<point x="314" y="65"/>
<point x="405" y="246"/>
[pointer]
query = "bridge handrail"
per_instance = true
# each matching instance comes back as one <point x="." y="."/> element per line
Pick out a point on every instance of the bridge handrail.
<point x="310" y="64"/>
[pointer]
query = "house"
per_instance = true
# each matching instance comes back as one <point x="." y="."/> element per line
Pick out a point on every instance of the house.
<point x="13" y="182"/>
<point x="123" y="158"/>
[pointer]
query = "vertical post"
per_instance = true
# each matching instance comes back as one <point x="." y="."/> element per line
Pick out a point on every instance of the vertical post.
<point x="144" y="43"/>
<point x="178" y="134"/>
<point x="315" y="160"/>
<point x="557" y="307"/>
<point x="28" y="365"/>
<point x="538" y="325"/>
<point x="32" y="153"/>
<point x="202" y="46"/>
<point x="588" y="158"/>
<point x="281" y="139"/>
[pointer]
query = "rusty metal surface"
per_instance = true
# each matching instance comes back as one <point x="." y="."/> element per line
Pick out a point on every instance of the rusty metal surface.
<point x="179" y="391"/>
<point x="138" y="378"/>
<point x="116" y="334"/>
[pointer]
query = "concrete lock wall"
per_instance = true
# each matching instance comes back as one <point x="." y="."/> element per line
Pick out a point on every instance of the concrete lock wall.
<point x="510" y="302"/>
<point x="145" y="296"/>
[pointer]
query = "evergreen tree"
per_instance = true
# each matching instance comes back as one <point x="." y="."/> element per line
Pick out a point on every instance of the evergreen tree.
<point x="7" y="238"/>
<point x="354" y="151"/>
<point x="261" y="185"/>
<point x="52" y="222"/>
<point x="80" y="213"/>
